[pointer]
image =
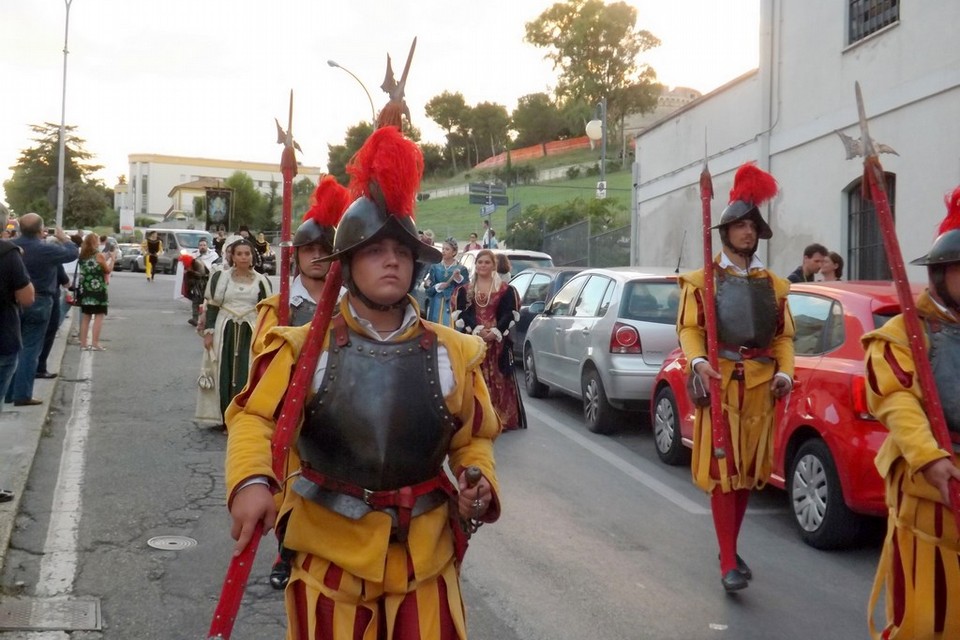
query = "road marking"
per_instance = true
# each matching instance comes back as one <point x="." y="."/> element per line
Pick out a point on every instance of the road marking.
<point x="58" y="568"/>
<point x="619" y="463"/>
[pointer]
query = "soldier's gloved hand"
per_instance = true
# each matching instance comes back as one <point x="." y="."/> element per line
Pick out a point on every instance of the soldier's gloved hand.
<point x="705" y="371"/>
<point x="939" y="473"/>
<point x="473" y="502"/>
<point x="780" y="386"/>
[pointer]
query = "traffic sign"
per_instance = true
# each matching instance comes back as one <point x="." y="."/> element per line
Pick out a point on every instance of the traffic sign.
<point x="601" y="189"/>
<point x="487" y="209"/>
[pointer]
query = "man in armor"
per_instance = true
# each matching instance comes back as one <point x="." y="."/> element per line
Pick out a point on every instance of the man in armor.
<point x="920" y="563"/>
<point x="152" y="247"/>
<point x="755" y="356"/>
<point x="377" y="527"/>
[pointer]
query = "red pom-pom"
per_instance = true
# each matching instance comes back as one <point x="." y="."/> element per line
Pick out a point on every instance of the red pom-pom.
<point x="752" y="184"/>
<point x="187" y="260"/>
<point x="330" y="199"/>
<point x="952" y="221"/>
<point x="394" y="164"/>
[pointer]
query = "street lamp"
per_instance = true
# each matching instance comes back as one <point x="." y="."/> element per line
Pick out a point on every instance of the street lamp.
<point x="597" y="130"/>
<point x="63" y="120"/>
<point x="373" y="112"/>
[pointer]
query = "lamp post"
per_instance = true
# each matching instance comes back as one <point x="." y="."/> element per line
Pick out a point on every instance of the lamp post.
<point x="63" y="120"/>
<point x="597" y="130"/>
<point x="373" y="112"/>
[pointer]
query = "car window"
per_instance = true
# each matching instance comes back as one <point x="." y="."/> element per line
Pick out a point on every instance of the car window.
<point x="562" y="304"/>
<point x="519" y="263"/>
<point x="537" y="292"/>
<point x="192" y="240"/>
<point x="836" y="334"/>
<point x="467" y="261"/>
<point x="811" y="315"/>
<point x="588" y="303"/>
<point x="650" y="301"/>
<point x="520" y="283"/>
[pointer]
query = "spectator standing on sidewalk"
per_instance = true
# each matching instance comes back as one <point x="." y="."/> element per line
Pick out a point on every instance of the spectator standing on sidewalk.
<point x="41" y="259"/>
<point x="56" y="317"/>
<point x="16" y="291"/>
<point x="95" y="268"/>
<point x="813" y="255"/>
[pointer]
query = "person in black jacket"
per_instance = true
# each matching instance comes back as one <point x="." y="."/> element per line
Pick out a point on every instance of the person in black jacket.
<point x="813" y="256"/>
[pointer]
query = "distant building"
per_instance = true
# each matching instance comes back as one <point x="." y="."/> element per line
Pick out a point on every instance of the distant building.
<point x="669" y="101"/>
<point x="784" y="116"/>
<point x="162" y="186"/>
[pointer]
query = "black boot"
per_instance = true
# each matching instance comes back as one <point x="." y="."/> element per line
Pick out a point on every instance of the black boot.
<point x="733" y="580"/>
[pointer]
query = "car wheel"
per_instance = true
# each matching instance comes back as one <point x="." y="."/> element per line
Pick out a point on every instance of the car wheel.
<point x="535" y="388"/>
<point x="666" y="429"/>
<point x="599" y="415"/>
<point x="821" y="515"/>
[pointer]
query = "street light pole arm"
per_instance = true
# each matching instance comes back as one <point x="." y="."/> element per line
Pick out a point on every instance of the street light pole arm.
<point x="373" y="111"/>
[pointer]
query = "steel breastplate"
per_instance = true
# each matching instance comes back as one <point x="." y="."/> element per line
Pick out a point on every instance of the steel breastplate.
<point x="746" y="310"/>
<point x="379" y="419"/>
<point x="301" y="311"/>
<point x="945" y="362"/>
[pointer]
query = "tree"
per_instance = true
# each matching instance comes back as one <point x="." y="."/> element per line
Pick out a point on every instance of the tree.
<point x="489" y="125"/>
<point x="595" y="47"/>
<point x="33" y="186"/>
<point x="247" y="201"/>
<point x="449" y="111"/>
<point x="536" y="119"/>
<point x="302" y="192"/>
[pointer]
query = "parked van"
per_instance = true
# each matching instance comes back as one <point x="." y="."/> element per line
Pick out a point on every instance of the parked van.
<point x="177" y="242"/>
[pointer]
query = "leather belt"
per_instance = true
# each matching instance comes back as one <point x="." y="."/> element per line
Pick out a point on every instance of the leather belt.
<point x="738" y="354"/>
<point x="354" y="502"/>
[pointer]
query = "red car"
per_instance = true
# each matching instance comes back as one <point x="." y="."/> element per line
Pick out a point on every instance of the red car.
<point x="825" y="439"/>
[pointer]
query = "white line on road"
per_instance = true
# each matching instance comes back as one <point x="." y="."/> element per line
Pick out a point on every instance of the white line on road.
<point x="58" y="567"/>
<point x="619" y="463"/>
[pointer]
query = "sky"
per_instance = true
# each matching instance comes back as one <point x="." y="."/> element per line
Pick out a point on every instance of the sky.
<point x="206" y="78"/>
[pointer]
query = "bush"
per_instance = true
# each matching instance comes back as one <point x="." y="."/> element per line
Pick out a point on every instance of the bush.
<point x="573" y="173"/>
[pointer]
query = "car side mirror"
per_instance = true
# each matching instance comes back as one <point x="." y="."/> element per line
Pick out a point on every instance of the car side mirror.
<point x="538" y="307"/>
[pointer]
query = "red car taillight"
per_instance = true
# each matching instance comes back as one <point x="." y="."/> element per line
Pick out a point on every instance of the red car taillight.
<point x="625" y="339"/>
<point x="859" y="390"/>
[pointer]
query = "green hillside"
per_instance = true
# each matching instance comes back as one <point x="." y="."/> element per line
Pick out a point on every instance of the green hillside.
<point x="457" y="217"/>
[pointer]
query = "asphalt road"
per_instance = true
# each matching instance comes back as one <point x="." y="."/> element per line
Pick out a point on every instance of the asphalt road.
<point x="598" y="539"/>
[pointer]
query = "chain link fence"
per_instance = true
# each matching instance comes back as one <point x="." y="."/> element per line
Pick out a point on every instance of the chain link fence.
<point x="575" y="246"/>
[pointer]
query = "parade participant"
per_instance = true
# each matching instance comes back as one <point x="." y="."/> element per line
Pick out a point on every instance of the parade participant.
<point x="920" y="563"/>
<point x="375" y="532"/>
<point x="442" y="280"/>
<point x="312" y="246"/>
<point x="218" y="242"/>
<point x="488" y="307"/>
<point x="231" y="310"/>
<point x="244" y="232"/>
<point x="264" y="251"/>
<point x="755" y="356"/>
<point x="152" y="247"/>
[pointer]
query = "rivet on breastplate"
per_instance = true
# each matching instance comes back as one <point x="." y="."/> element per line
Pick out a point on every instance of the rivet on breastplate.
<point x="429" y="370"/>
<point x="333" y="366"/>
<point x="360" y="348"/>
<point x="319" y="403"/>
<point x="332" y="378"/>
<point x="384" y="352"/>
<point x="409" y="349"/>
<point x="431" y="382"/>
<point x="337" y="350"/>
<point x="399" y="351"/>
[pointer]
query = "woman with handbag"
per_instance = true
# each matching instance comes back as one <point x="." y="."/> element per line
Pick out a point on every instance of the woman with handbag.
<point x="93" y="268"/>
<point x="231" y="298"/>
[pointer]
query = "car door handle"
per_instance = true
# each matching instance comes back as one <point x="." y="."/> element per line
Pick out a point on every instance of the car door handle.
<point x="558" y="330"/>
<point x="585" y="332"/>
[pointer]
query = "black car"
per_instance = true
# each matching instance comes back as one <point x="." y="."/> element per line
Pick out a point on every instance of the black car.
<point x="536" y="284"/>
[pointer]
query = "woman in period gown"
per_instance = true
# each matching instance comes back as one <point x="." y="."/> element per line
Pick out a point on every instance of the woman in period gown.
<point x="231" y="313"/>
<point x="441" y="281"/>
<point x="489" y="307"/>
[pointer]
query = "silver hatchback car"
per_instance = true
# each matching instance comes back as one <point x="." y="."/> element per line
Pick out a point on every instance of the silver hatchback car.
<point x="602" y="338"/>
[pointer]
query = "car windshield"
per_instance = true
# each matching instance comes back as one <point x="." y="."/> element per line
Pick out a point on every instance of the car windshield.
<point x="192" y="240"/>
<point x="519" y="263"/>
<point x="651" y="301"/>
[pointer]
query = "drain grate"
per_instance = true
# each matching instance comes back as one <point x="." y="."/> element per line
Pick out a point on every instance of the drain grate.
<point x="171" y="543"/>
<point x="63" y="614"/>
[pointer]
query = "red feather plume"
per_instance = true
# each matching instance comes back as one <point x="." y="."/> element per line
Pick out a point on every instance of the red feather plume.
<point x="752" y="184"/>
<point x="330" y="199"/>
<point x="391" y="162"/>
<point x="952" y="221"/>
<point x="187" y="260"/>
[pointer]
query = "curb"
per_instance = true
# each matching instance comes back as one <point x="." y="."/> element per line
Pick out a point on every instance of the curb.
<point x="20" y="431"/>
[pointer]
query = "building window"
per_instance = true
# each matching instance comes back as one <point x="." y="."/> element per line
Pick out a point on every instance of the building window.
<point x="867" y="16"/>
<point x="867" y="259"/>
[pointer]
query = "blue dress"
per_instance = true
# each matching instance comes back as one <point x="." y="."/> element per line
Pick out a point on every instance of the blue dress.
<point x="438" y="302"/>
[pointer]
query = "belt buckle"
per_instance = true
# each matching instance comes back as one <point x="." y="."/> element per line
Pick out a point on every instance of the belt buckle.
<point x="742" y="350"/>
<point x="367" y="496"/>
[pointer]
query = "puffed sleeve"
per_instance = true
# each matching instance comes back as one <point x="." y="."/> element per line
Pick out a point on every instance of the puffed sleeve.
<point x="896" y="400"/>
<point x="267" y="319"/>
<point x="690" y="317"/>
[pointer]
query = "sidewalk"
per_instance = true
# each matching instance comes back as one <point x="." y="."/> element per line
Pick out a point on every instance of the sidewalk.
<point x="20" y="432"/>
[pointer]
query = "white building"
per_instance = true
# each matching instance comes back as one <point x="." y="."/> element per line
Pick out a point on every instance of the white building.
<point x="784" y="116"/>
<point x="159" y="185"/>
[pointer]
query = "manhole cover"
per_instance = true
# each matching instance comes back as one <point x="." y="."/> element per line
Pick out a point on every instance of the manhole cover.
<point x="171" y="543"/>
<point x="55" y="614"/>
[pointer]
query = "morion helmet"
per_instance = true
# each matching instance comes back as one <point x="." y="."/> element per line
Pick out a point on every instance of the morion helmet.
<point x="327" y="204"/>
<point x="752" y="187"/>
<point x="385" y="176"/>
